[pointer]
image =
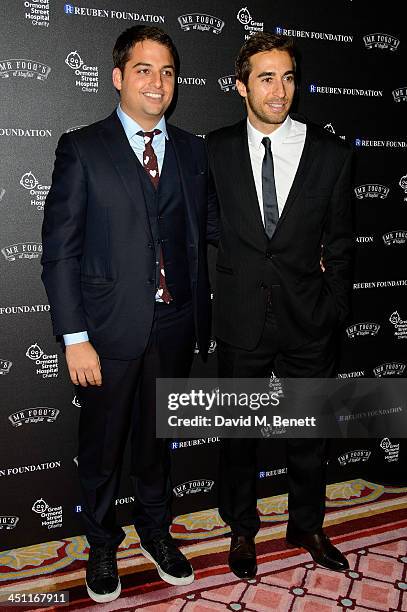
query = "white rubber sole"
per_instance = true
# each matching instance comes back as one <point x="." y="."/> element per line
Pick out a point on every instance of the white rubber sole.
<point x="104" y="598"/>
<point x="167" y="577"/>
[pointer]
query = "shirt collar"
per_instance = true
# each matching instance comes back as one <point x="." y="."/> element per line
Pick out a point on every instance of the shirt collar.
<point x="131" y="127"/>
<point x="277" y="137"/>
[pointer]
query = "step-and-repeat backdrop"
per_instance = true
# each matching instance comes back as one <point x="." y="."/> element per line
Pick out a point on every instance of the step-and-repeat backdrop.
<point x="55" y="76"/>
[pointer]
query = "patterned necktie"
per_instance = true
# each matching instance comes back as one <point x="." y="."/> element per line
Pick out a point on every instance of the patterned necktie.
<point x="270" y="206"/>
<point x="150" y="164"/>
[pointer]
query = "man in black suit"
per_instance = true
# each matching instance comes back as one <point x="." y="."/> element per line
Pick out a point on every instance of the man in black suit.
<point x="124" y="266"/>
<point x="284" y="191"/>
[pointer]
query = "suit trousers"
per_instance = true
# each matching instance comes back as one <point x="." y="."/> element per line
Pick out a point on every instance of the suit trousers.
<point x="125" y="402"/>
<point x="306" y="458"/>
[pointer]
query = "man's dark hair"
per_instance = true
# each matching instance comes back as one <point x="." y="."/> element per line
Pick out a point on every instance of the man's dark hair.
<point x="136" y="34"/>
<point x="261" y="41"/>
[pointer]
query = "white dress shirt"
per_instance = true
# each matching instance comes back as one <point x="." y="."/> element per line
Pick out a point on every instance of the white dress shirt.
<point x="287" y="143"/>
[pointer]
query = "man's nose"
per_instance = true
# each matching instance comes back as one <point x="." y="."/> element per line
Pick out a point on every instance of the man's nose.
<point x="279" y="88"/>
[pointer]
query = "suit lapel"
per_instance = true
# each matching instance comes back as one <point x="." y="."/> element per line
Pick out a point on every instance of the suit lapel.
<point x="124" y="159"/>
<point x="241" y="175"/>
<point x="304" y="165"/>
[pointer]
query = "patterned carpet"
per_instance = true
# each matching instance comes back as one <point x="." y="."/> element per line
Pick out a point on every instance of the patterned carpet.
<point x="368" y="522"/>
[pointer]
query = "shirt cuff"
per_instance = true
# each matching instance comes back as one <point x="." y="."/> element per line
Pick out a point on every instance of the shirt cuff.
<point x="76" y="338"/>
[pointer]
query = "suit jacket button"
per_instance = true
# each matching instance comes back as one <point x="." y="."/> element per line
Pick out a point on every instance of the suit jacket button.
<point x="269" y="255"/>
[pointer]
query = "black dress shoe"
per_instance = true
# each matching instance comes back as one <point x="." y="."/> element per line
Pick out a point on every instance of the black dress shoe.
<point x="320" y="547"/>
<point x="102" y="580"/>
<point x="242" y="556"/>
<point x="171" y="564"/>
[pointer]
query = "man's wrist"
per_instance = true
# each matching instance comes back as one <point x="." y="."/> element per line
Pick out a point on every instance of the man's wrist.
<point x="76" y="337"/>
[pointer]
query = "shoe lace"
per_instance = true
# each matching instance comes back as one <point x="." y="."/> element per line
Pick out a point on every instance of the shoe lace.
<point x="103" y="562"/>
<point x="168" y="551"/>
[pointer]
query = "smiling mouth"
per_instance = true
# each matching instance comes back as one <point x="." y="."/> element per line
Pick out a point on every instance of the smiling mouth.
<point x="276" y="106"/>
<point x="153" y="96"/>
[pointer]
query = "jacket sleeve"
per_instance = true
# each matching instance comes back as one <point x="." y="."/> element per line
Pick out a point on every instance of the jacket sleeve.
<point x="63" y="235"/>
<point x="338" y="240"/>
<point x="213" y="231"/>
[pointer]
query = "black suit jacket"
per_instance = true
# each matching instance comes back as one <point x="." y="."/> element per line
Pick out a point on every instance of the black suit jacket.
<point x="306" y="301"/>
<point x="98" y="252"/>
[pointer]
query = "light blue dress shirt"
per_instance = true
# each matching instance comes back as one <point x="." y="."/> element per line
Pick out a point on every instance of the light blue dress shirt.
<point x="136" y="142"/>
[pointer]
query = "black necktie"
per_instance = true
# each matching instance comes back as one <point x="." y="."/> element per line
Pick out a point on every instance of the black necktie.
<point x="270" y="206"/>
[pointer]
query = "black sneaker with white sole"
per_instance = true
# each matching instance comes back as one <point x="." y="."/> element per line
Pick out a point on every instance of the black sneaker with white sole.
<point x="102" y="579"/>
<point x="171" y="564"/>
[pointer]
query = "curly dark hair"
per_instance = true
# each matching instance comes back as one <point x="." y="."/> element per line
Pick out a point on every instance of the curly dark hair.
<point x="261" y="41"/>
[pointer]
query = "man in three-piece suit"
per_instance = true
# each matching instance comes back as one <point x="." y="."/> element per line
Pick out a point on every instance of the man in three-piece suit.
<point x="284" y="191"/>
<point x="124" y="265"/>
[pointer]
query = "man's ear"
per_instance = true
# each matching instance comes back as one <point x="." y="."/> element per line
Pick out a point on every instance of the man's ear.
<point x="241" y="88"/>
<point x="117" y="78"/>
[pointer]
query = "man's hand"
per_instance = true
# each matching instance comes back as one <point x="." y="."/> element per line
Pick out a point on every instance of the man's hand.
<point x="83" y="364"/>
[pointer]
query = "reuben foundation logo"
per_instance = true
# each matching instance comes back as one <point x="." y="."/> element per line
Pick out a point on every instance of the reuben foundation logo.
<point x="343" y="38"/>
<point x="354" y="374"/>
<point x="22" y="250"/>
<point x="5" y="366"/>
<point x="37" y="11"/>
<point x="24" y="68"/>
<point x="395" y="237"/>
<point x="388" y="144"/>
<point x="391" y="450"/>
<point x="354" y="456"/>
<point x="193" y="486"/>
<point x="26" y="469"/>
<point x="51" y="517"/>
<point x="24" y="309"/>
<point x="250" y="25"/>
<point x="33" y="415"/>
<point x="47" y="364"/>
<point x="400" y="326"/>
<point x="227" y="83"/>
<point x="362" y="329"/>
<point x="182" y="80"/>
<point x="8" y="522"/>
<point x="87" y="76"/>
<point x="202" y="22"/>
<point x="345" y="91"/>
<point x="26" y="132"/>
<point x="381" y="41"/>
<point x="400" y="95"/>
<point x="175" y="444"/>
<point x="371" y="190"/>
<point x="37" y="192"/>
<point x="364" y="239"/>
<point x="392" y="368"/>
<point x="270" y="473"/>
<point x="82" y="11"/>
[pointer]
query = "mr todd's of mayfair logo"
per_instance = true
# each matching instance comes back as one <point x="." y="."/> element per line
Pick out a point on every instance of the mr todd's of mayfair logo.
<point x="87" y="77"/>
<point x="47" y="365"/>
<point x="391" y="450"/>
<point x="400" y="326"/>
<point x="227" y="83"/>
<point x="193" y="486"/>
<point x="51" y="517"/>
<point x="5" y="366"/>
<point x="22" y="250"/>
<point x="39" y="414"/>
<point x="24" y="68"/>
<point x="371" y="191"/>
<point x="395" y="237"/>
<point x="202" y="22"/>
<point x="362" y="329"/>
<point x="37" y="192"/>
<point x="354" y="456"/>
<point x="250" y="25"/>
<point x="391" y="368"/>
<point x="400" y="94"/>
<point x="381" y="41"/>
<point x="8" y="522"/>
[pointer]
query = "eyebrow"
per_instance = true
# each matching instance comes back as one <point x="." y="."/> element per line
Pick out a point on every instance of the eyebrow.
<point x="150" y="65"/>
<point x="270" y="73"/>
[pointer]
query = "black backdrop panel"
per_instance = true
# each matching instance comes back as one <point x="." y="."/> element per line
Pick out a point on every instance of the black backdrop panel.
<point x="55" y="75"/>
